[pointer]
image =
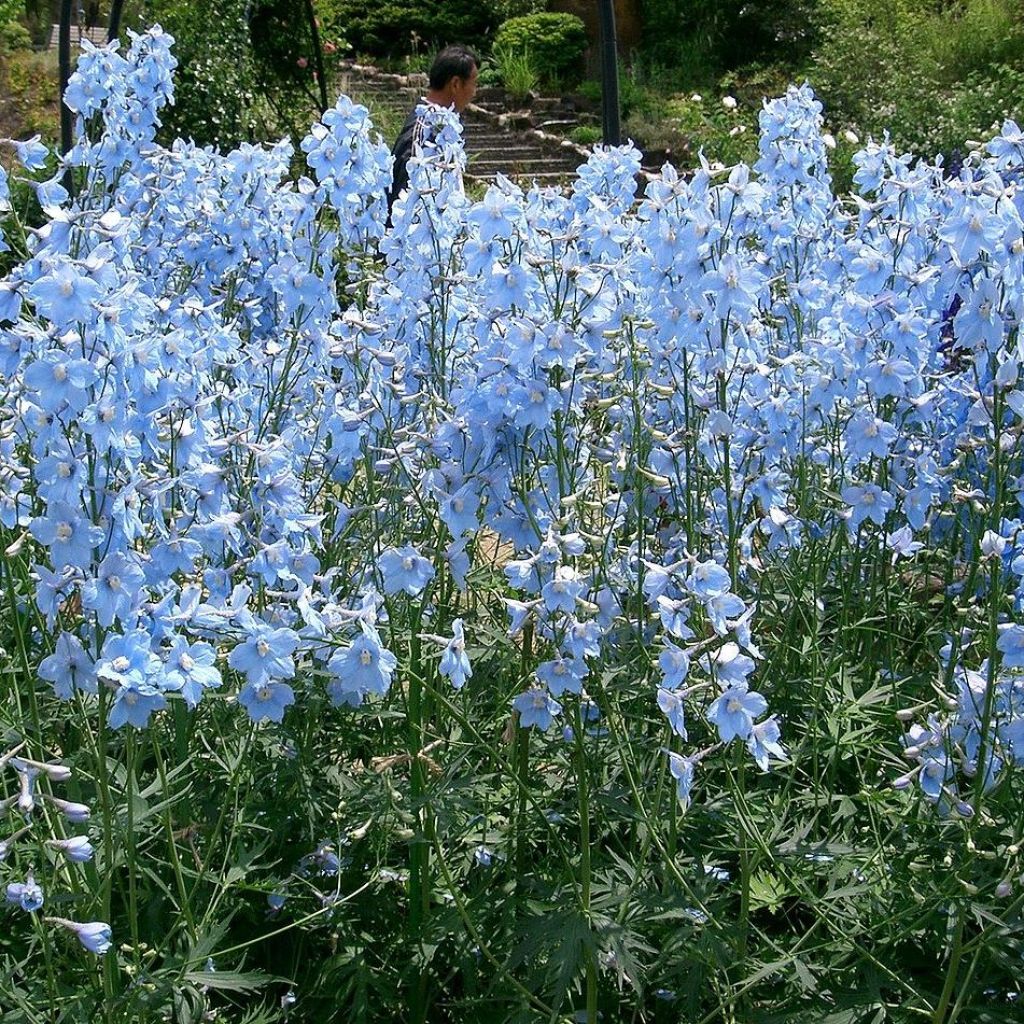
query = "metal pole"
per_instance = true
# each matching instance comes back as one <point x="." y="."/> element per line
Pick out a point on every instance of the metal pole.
<point x="64" y="73"/>
<point x="318" y="55"/>
<point x="114" y="24"/>
<point x="610" y="125"/>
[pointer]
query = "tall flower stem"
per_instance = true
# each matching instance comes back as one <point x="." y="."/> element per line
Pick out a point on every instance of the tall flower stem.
<point x="583" y="797"/>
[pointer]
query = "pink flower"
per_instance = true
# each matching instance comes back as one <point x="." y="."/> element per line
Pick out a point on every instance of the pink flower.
<point x="302" y="62"/>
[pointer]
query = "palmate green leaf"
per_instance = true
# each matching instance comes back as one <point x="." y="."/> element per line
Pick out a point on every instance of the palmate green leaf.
<point x="559" y="940"/>
<point x="859" y="1008"/>
<point x="767" y="891"/>
<point x="231" y="981"/>
<point x="624" y="944"/>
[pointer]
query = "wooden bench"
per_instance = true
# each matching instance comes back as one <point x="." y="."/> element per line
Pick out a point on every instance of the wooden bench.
<point x="96" y="34"/>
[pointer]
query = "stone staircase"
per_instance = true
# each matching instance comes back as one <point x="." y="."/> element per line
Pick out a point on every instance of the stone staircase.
<point x="527" y="144"/>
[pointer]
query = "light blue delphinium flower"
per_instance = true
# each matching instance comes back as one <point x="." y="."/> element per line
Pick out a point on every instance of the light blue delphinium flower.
<point x="763" y="742"/>
<point x="95" y="936"/>
<point x="674" y="663"/>
<point x="733" y="713"/>
<point x="77" y="848"/>
<point x="682" y="770"/>
<point x="536" y="708"/>
<point x="455" y="666"/>
<point x="265" y="654"/>
<point x="68" y="535"/>
<point x="562" y="591"/>
<point x="362" y="668"/>
<point x="1011" y="645"/>
<point x="115" y="591"/>
<point x="134" y="702"/>
<point x="672" y="707"/>
<point x="26" y="895"/>
<point x="70" y="667"/>
<point x="66" y="296"/>
<point x="867" y="502"/>
<point x="190" y="669"/>
<point x="707" y="580"/>
<point x="404" y="569"/>
<point x="562" y="674"/>
<point x="266" y="700"/>
<point x="32" y="153"/>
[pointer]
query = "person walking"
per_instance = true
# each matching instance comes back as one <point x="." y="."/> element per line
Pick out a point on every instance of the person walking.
<point x="452" y="83"/>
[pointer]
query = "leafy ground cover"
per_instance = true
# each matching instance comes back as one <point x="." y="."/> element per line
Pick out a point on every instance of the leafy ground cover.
<point x="562" y="606"/>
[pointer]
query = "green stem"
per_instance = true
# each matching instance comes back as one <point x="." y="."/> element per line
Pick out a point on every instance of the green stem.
<point x="939" y="1016"/>
<point x="419" y="853"/>
<point x="583" y="794"/>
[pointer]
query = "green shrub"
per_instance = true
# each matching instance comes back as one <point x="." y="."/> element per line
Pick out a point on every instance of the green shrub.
<point x="14" y="36"/>
<point x="28" y="87"/>
<point x="585" y="134"/>
<point x="283" y="43"/>
<point x="702" y="39"/>
<point x="932" y="77"/>
<point x="516" y="70"/>
<point x="398" y="27"/>
<point x="216" y="88"/>
<point x="506" y="9"/>
<point x="555" y="42"/>
<point x="727" y="135"/>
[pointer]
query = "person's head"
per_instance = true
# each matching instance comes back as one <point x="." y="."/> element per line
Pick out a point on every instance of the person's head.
<point x="453" y="76"/>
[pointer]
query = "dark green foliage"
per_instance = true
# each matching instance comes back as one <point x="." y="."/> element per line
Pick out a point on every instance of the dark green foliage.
<point x="215" y="84"/>
<point x="392" y="28"/>
<point x="555" y="42"/>
<point x="281" y="41"/>
<point x="703" y="38"/>
<point x="932" y="75"/>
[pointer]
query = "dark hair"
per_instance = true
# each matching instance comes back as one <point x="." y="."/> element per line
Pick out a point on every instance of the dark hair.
<point x="452" y="62"/>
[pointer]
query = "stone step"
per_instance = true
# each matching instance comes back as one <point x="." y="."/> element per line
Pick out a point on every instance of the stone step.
<point x="562" y="125"/>
<point x="509" y="152"/>
<point x="500" y="164"/>
<point x="525" y="180"/>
